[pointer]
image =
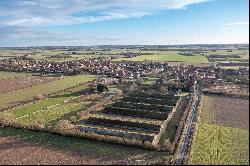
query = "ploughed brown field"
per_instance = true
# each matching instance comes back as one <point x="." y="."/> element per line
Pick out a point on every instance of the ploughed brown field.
<point x="18" y="146"/>
<point x="16" y="151"/>
<point x="9" y="85"/>
<point x="236" y="90"/>
<point x="226" y="111"/>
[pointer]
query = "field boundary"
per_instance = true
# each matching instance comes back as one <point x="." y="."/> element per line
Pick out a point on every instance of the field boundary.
<point x="10" y="78"/>
<point x="196" y="121"/>
<point x="188" y="131"/>
<point x="47" y="95"/>
<point x="226" y="94"/>
<point x="33" y="85"/>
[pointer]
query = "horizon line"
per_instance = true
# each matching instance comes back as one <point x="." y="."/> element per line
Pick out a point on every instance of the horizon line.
<point x="126" y="45"/>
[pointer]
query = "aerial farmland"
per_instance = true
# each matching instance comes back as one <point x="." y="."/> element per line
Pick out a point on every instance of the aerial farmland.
<point x="132" y="105"/>
<point x="222" y="132"/>
<point x="136" y="82"/>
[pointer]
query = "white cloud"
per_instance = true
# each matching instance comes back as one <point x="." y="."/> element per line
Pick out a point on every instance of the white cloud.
<point x="63" y="12"/>
<point x="29" y="3"/>
<point x="237" y="24"/>
<point x="24" y="36"/>
<point x="21" y="21"/>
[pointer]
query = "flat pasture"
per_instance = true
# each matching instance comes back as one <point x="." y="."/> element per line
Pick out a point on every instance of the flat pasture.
<point x="222" y="133"/>
<point x="167" y="56"/>
<point x="49" y="111"/>
<point x="11" y="75"/>
<point x="243" y="53"/>
<point x="9" y="53"/>
<point x="59" y="55"/>
<point x="218" y="145"/>
<point x="27" y="94"/>
<point x="171" y="127"/>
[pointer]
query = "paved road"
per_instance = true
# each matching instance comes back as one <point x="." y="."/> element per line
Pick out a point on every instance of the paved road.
<point x="189" y="132"/>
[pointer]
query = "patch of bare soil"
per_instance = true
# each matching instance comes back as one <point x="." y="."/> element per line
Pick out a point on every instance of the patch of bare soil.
<point x="232" y="112"/>
<point x="228" y="111"/>
<point x="9" y="85"/>
<point x="15" y="151"/>
<point x="228" y="89"/>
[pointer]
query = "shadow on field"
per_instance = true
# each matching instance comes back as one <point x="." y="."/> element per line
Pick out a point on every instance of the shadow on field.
<point x="74" y="94"/>
<point x="88" y="102"/>
<point x="94" y="149"/>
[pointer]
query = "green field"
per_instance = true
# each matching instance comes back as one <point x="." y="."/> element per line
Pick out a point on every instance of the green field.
<point x="150" y="81"/>
<point x="13" y="53"/>
<point x="220" y="145"/>
<point x="167" y="56"/>
<point x="49" y="111"/>
<point x="34" y="107"/>
<point x="243" y="53"/>
<point x="170" y="131"/>
<point x="40" y="54"/>
<point x="220" y="139"/>
<point x="6" y="75"/>
<point x="244" y="56"/>
<point x="11" y="98"/>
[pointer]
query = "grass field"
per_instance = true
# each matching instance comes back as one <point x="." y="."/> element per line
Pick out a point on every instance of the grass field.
<point x="171" y="127"/>
<point x="244" y="55"/>
<point x="222" y="134"/>
<point x="12" y="53"/>
<point x="40" y="54"/>
<point x="220" y="145"/>
<point x="49" y="111"/>
<point x="91" y="151"/>
<point x="167" y="56"/>
<point x="7" y="75"/>
<point x="11" y="98"/>
<point x="150" y="81"/>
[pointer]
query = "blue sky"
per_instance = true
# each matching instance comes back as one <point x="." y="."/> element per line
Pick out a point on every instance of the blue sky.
<point x="102" y="22"/>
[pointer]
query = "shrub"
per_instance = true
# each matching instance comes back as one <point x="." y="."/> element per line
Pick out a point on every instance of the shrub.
<point x="73" y="119"/>
<point x="136" y="112"/>
<point x="168" y="145"/>
<point x="35" y="126"/>
<point x="39" y="97"/>
<point x="132" y="87"/>
<point x="123" y="124"/>
<point x="139" y="81"/>
<point x="63" y="126"/>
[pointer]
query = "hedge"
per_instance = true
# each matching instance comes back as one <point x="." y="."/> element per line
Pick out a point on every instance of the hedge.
<point x="136" y="113"/>
<point x="136" y="126"/>
<point x="150" y="100"/>
<point x="149" y="107"/>
<point x="123" y="134"/>
<point x="153" y="95"/>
